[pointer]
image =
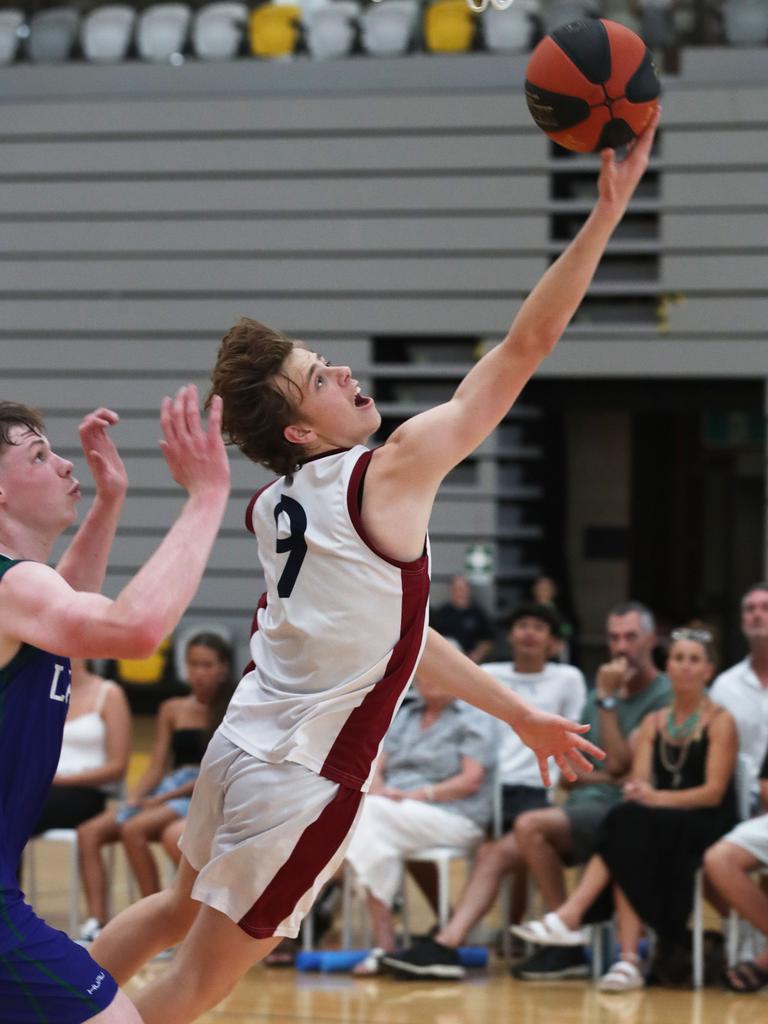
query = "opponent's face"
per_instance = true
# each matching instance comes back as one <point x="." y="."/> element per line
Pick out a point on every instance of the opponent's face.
<point x="331" y="412"/>
<point x="205" y="672"/>
<point x="37" y="488"/>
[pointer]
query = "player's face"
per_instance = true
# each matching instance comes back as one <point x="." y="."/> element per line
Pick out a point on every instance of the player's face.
<point x="36" y="485"/>
<point x="332" y="413"/>
<point x="688" y="667"/>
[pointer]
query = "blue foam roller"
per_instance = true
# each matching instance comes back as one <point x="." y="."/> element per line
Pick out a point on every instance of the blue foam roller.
<point x="473" y="956"/>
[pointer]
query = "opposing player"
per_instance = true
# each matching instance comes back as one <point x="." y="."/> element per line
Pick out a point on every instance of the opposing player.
<point x="342" y="627"/>
<point x="48" y="616"/>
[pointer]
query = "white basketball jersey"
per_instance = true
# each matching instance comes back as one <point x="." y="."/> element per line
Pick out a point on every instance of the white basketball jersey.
<point x="339" y="632"/>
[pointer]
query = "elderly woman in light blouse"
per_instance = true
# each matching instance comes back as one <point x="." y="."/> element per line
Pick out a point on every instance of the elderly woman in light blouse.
<point x="432" y="788"/>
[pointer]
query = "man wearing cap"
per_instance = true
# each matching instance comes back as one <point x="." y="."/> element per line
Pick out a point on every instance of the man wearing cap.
<point x="534" y="635"/>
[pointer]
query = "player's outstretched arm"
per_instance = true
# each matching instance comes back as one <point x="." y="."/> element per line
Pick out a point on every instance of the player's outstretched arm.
<point x="443" y="665"/>
<point x="432" y="443"/>
<point x="40" y="608"/>
<point x="84" y="563"/>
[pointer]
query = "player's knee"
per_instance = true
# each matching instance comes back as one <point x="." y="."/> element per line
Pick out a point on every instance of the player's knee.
<point x="528" y="827"/>
<point x="716" y="859"/>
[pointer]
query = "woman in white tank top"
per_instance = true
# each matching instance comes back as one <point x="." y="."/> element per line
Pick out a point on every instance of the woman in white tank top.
<point x="94" y="753"/>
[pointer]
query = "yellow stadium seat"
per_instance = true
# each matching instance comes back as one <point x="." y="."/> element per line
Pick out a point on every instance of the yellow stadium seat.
<point x="274" y="30"/>
<point x="144" y="671"/>
<point x="449" y="26"/>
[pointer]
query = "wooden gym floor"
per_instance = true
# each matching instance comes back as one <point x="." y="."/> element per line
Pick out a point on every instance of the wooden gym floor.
<point x="492" y="996"/>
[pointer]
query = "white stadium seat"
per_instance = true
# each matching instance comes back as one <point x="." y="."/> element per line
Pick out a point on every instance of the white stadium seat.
<point x="11" y="21"/>
<point x="388" y="27"/>
<point x="218" y="29"/>
<point x="106" y="32"/>
<point x="52" y="34"/>
<point x="162" y="32"/>
<point x="330" y="28"/>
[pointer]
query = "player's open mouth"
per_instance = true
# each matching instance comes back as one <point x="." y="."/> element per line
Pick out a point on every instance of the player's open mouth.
<point x="362" y="401"/>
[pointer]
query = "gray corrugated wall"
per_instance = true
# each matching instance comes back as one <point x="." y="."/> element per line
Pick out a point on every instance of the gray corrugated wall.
<point x="143" y="209"/>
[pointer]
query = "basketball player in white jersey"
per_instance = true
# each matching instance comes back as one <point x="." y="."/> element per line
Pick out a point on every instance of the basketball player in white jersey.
<point x="338" y="635"/>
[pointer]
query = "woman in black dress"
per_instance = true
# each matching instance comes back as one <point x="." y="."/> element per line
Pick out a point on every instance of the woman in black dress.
<point x="679" y="799"/>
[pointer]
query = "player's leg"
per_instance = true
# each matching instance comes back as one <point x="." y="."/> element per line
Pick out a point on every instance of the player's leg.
<point x="211" y="960"/>
<point x="136" y="835"/>
<point x="148" y="927"/>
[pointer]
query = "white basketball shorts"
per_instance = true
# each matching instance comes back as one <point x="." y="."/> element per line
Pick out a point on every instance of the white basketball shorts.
<point x="265" y="838"/>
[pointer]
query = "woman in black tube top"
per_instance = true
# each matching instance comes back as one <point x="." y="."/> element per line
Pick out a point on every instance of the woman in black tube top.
<point x="161" y="797"/>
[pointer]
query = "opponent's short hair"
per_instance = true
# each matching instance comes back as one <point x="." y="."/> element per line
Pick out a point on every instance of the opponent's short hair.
<point x="249" y="367"/>
<point x="14" y="414"/>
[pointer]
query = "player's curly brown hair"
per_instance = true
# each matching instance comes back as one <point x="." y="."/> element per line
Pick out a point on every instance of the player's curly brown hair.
<point x="14" y="414"/>
<point x="248" y="367"/>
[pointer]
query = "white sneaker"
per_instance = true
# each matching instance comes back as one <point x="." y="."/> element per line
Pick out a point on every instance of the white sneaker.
<point x="90" y="930"/>
<point x="551" y="931"/>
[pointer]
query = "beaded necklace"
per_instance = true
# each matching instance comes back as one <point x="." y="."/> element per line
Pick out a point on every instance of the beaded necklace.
<point x="686" y="731"/>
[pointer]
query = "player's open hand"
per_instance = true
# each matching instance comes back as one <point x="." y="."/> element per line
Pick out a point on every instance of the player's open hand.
<point x="618" y="180"/>
<point x="196" y="455"/>
<point x="103" y="458"/>
<point x="552" y="736"/>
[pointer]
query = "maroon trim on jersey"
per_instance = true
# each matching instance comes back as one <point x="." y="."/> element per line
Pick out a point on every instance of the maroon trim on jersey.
<point x="255" y="628"/>
<point x="314" y="849"/>
<point x="252" y="502"/>
<point x="353" y="508"/>
<point x="325" y="455"/>
<point x="350" y="758"/>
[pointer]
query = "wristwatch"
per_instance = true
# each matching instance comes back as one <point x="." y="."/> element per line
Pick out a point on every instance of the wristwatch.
<point x="606" y="703"/>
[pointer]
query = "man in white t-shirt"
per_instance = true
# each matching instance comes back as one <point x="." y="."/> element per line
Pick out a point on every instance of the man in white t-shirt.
<point x="743" y="688"/>
<point x="534" y="637"/>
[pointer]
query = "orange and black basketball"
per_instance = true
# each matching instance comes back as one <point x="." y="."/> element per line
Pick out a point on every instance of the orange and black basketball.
<point x="592" y="84"/>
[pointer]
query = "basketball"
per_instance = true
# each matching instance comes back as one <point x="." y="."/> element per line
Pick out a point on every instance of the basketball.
<point x="591" y="84"/>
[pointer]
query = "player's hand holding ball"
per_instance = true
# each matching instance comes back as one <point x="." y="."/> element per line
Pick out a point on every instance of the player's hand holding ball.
<point x="592" y="85"/>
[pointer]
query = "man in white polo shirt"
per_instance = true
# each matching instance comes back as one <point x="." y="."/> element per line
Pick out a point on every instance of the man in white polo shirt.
<point x="743" y="689"/>
<point x="534" y="635"/>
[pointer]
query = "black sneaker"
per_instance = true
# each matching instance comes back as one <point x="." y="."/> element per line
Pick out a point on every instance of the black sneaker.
<point x="424" y="959"/>
<point x="550" y="963"/>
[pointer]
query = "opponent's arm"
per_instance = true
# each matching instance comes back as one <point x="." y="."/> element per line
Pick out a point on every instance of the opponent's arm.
<point x="38" y="607"/>
<point x="84" y="563"/>
<point x="547" y="735"/>
<point x="491" y="387"/>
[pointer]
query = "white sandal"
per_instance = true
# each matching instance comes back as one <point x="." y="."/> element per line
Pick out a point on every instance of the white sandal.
<point x="550" y="931"/>
<point x="371" y="965"/>
<point x="623" y="976"/>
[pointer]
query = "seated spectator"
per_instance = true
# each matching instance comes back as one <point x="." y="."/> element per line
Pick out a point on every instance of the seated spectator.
<point x="544" y="590"/>
<point x="463" y="620"/>
<point x="743" y="688"/>
<point x="534" y="636"/>
<point x="627" y="688"/>
<point x="679" y="799"/>
<point x="161" y="797"/>
<point x="94" y="751"/>
<point x="729" y="865"/>
<point x="432" y="788"/>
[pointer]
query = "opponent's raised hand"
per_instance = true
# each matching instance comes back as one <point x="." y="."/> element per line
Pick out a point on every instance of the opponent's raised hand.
<point x="196" y="455"/>
<point x="553" y="736"/>
<point x="619" y="179"/>
<point x="103" y="458"/>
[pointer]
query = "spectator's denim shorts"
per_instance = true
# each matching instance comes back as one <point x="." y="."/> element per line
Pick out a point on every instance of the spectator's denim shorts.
<point x="179" y="805"/>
